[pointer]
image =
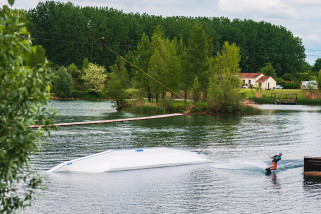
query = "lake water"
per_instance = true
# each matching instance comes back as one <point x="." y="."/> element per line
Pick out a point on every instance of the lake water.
<point x="234" y="183"/>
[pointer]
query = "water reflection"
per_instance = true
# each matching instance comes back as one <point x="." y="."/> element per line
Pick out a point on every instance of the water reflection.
<point x="274" y="180"/>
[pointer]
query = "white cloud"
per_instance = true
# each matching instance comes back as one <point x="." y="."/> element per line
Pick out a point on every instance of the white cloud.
<point x="257" y="8"/>
<point x="304" y="3"/>
<point x="312" y="38"/>
<point x="25" y="4"/>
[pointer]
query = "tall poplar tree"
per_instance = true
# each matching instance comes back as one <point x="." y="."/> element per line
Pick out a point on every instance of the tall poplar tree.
<point x="140" y="58"/>
<point x="197" y="58"/>
<point x="223" y="92"/>
<point x="118" y="82"/>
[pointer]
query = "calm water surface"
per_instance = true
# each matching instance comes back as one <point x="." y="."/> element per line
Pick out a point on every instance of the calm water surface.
<point x="234" y="183"/>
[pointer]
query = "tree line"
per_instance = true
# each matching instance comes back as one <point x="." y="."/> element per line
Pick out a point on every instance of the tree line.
<point x="161" y="66"/>
<point x="71" y="33"/>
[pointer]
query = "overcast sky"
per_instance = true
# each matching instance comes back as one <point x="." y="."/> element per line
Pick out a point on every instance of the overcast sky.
<point x="301" y="17"/>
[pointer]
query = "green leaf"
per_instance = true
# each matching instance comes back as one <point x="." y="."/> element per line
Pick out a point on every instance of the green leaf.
<point x="11" y="2"/>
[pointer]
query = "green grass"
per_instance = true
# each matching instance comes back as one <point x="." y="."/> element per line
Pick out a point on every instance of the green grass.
<point x="267" y="93"/>
<point x="85" y="95"/>
<point x="249" y="110"/>
<point x="305" y="101"/>
<point x="267" y="98"/>
<point x="262" y="100"/>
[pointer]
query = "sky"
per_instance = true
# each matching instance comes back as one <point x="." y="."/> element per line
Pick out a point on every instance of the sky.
<point x="301" y="17"/>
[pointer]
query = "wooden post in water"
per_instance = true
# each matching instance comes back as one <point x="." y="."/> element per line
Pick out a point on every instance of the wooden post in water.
<point x="312" y="166"/>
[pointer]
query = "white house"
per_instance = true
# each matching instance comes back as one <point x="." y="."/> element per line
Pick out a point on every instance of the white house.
<point x="255" y="79"/>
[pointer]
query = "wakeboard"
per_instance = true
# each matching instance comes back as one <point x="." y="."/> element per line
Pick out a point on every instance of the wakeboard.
<point x="267" y="171"/>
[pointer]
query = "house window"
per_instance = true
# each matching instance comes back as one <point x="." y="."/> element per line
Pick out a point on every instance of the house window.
<point x="250" y="82"/>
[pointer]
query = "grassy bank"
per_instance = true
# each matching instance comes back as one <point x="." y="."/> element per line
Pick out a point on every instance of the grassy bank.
<point x="189" y="107"/>
<point x="266" y="96"/>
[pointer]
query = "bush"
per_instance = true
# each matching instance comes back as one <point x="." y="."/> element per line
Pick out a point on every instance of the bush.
<point x="291" y="85"/>
<point x="63" y="83"/>
<point x="73" y="70"/>
<point x="94" y="78"/>
<point x="249" y="110"/>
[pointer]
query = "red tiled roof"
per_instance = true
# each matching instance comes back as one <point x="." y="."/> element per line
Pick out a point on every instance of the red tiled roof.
<point x="250" y="75"/>
<point x="263" y="79"/>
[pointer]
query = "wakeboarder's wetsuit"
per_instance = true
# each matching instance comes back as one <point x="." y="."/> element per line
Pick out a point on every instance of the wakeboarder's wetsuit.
<point x="276" y="159"/>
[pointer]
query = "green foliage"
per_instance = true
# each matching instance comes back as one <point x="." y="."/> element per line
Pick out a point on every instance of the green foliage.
<point x="279" y="80"/>
<point x="249" y="110"/>
<point x="115" y="89"/>
<point x="84" y="95"/>
<point x="304" y="76"/>
<point x="288" y="77"/>
<point x="140" y="58"/>
<point x="268" y="70"/>
<point x="118" y="82"/>
<point x="63" y="83"/>
<point x="95" y="77"/>
<point x="291" y="85"/>
<point x="196" y="90"/>
<point x="262" y="100"/>
<point x="160" y="64"/>
<point x="38" y="56"/>
<point x="23" y="102"/>
<point x="198" y="52"/>
<point x="317" y="66"/>
<point x="309" y="101"/>
<point x="73" y="70"/>
<point x="259" y="42"/>
<point x="223" y="92"/>
<point x="319" y="80"/>
<point x="85" y="63"/>
<point x="167" y="104"/>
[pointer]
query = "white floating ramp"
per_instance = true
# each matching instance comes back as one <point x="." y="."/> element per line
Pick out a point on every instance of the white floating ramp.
<point x="117" y="160"/>
<point x="111" y="121"/>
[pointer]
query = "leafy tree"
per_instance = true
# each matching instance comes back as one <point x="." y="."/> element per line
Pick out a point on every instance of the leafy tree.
<point x="197" y="57"/>
<point x="95" y="77"/>
<point x="157" y="69"/>
<point x="268" y="70"/>
<point x="291" y="85"/>
<point x="85" y="63"/>
<point x="63" y="83"/>
<point x="259" y="42"/>
<point x="287" y="77"/>
<point x="196" y="90"/>
<point x="141" y="58"/>
<point x="319" y="81"/>
<point x="164" y="64"/>
<point x="224" y="86"/>
<point x="115" y="90"/>
<point x="174" y="68"/>
<point x="38" y="56"/>
<point x="187" y="76"/>
<point x="317" y="66"/>
<point x="73" y="70"/>
<point x="304" y="76"/>
<point x="160" y="61"/>
<point x="118" y="82"/>
<point x="23" y="102"/>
